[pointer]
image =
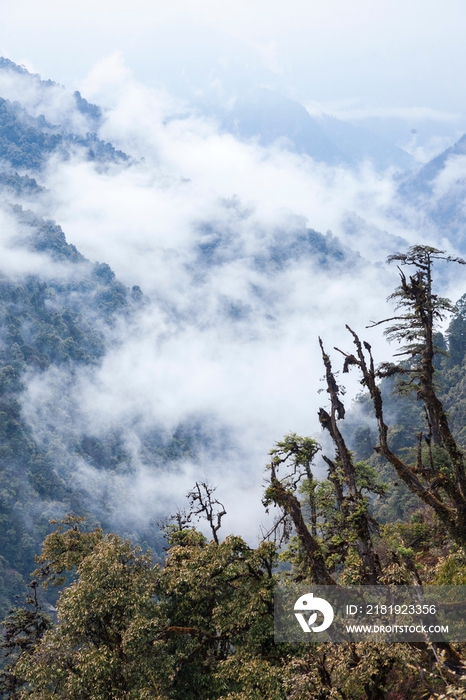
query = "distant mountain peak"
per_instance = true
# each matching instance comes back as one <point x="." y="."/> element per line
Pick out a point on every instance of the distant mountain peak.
<point x="270" y="117"/>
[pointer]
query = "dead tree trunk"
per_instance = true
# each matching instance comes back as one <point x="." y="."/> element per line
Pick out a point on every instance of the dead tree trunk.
<point x="449" y="507"/>
<point x="353" y="504"/>
<point x="290" y="504"/>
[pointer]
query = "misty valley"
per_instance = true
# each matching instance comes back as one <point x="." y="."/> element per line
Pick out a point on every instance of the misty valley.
<point x="199" y="397"/>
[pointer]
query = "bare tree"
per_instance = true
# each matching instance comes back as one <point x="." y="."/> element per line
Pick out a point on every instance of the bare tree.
<point x="202" y="504"/>
<point x="353" y="505"/>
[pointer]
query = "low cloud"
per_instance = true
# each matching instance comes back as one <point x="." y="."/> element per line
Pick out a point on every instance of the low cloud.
<point x="54" y="102"/>
<point x="220" y="235"/>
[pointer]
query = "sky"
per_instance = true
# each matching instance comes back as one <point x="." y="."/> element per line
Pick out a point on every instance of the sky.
<point x="232" y="343"/>
<point x="399" y="61"/>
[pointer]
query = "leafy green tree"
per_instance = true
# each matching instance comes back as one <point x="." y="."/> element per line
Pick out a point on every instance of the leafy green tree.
<point x="198" y="627"/>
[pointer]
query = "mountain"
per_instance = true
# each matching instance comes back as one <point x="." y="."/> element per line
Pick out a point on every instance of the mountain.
<point x="26" y="142"/>
<point x="48" y="100"/>
<point x="424" y="180"/>
<point x="62" y="315"/>
<point x="439" y="190"/>
<point x="269" y="117"/>
<point x="359" y="144"/>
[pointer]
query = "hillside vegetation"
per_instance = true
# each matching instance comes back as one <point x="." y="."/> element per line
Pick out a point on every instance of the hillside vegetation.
<point x="101" y="604"/>
<point x="198" y="622"/>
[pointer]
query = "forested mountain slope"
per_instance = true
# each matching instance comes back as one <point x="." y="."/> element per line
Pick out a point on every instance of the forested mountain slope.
<point x="188" y="615"/>
<point x="63" y="323"/>
<point x="199" y="622"/>
<point x="61" y="317"/>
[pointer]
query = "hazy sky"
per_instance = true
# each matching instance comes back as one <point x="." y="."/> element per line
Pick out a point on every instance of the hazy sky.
<point x="392" y="54"/>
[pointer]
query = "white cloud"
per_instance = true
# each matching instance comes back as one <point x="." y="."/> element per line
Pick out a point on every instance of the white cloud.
<point x="231" y="341"/>
<point x="55" y="103"/>
<point x="17" y="260"/>
<point x="453" y="173"/>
